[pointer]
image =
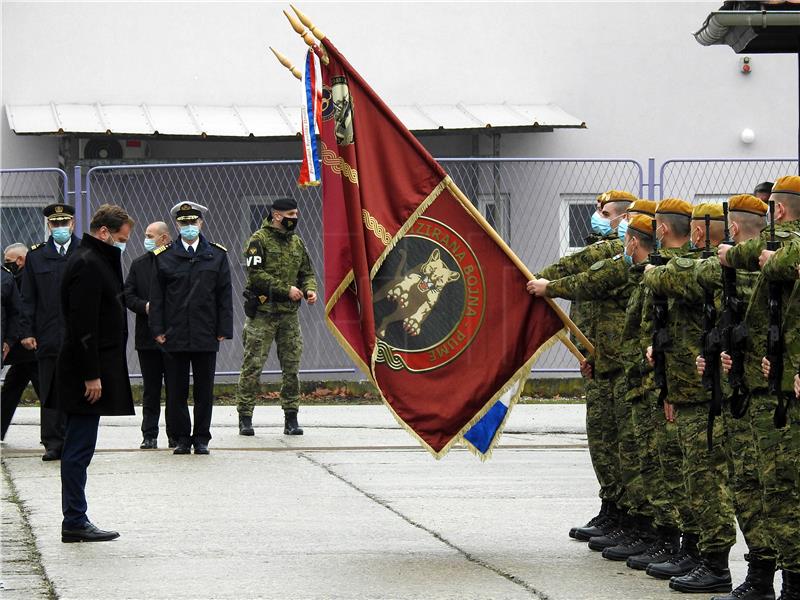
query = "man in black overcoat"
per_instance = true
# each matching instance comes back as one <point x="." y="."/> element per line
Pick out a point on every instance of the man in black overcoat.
<point x="92" y="371"/>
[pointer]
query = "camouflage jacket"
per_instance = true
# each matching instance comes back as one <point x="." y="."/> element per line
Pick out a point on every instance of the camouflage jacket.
<point x="277" y="260"/>
<point x="646" y="327"/>
<point x="605" y="283"/>
<point x="633" y="359"/>
<point x="583" y="313"/>
<point x="745" y="256"/>
<point x="783" y="267"/>
<point x="676" y="280"/>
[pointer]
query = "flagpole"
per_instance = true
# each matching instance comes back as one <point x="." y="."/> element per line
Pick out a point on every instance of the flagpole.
<point x="287" y="63"/>
<point x="476" y="214"/>
<point x="307" y="36"/>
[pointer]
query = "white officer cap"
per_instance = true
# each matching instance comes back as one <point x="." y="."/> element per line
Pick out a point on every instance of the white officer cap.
<point x="187" y="211"/>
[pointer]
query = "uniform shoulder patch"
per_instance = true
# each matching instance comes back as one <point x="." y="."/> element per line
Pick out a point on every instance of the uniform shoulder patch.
<point x="783" y="234"/>
<point x="160" y="249"/>
<point x="220" y="246"/>
<point x="39" y="245"/>
<point x="684" y="263"/>
<point x="597" y="266"/>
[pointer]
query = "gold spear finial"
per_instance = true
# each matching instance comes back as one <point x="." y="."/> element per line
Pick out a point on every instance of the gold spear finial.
<point x="306" y="35"/>
<point x="307" y="22"/>
<point x="287" y="63"/>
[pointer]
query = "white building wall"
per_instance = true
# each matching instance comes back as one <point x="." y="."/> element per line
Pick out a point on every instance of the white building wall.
<point x="632" y="71"/>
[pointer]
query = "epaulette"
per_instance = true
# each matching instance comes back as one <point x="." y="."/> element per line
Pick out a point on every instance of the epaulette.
<point x="220" y="246"/>
<point x="39" y="245"/>
<point x="160" y="249"/>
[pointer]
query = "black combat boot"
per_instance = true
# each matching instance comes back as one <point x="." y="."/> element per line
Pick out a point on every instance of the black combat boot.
<point x="711" y="575"/>
<point x="619" y="535"/>
<point x="790" y="590"/>
<point x="639" y="541"/>
<point x="598" y="525"/>
<point x="246" y="425"/>
<point x="290" y="426"/>
<point x="665" y="547"/>
<point x="681" y="564"/>
<point x="759" y="583"/>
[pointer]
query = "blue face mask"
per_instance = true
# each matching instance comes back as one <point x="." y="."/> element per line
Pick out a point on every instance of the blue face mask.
<point x="149" y="244"/>
<point x="627" y="257"/>
<point x="61" y="234"/>
<point x="622" y="229"/>
<point x="120" y="245"/>
<point x="600" y="225"/>
<point x="190" y="232"/>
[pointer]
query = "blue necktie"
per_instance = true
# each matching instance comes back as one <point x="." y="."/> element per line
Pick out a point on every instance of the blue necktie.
<point x="190" y="250"/>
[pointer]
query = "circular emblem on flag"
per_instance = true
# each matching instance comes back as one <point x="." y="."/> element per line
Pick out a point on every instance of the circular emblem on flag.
<point x="428" y="298"/>
<point x="337" y="104"/>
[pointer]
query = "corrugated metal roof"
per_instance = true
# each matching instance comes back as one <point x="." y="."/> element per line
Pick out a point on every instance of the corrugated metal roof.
<point x="263" y="121"/>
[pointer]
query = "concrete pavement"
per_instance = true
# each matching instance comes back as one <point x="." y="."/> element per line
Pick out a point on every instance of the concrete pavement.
<point x="352" y="509"/>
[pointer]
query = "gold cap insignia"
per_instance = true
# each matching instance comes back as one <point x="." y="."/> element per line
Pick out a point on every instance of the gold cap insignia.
<point x="186" y="207"/>
<point x="59" y="209"/>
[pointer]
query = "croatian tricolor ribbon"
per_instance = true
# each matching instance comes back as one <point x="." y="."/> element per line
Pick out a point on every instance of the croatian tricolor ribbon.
<point x="311" y="116"/>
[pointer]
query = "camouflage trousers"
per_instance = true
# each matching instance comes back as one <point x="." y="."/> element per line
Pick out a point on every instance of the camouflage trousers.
<point x="633" y="498"/>
<point x="705" y="474"/>
<point x="601" y="434"/>
<point x="779" y="466"/>
<point x="742" y="457"/>
<point x="657" y="462"/>
<point x="258" y="334"/>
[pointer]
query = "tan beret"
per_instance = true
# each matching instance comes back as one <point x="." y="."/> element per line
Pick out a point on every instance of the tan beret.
<point x="616" y="196"/>
<point x="747" y="204"/>
<point x="674" y="206"/>
<point x="643" y="207"/>
<point x="790" y="184"/>
<point x="642" y="224"/>
<point x="711" y="209"/>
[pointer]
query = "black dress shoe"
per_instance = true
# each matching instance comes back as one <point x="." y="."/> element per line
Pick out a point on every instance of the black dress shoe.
<point x="182" y="448"/>
<point x="149" y="444"/>
<point x="51" y="454"/>
<point x="201" y="448"/>
<point x="703" y="579"/>
<point x="88" y="533"/>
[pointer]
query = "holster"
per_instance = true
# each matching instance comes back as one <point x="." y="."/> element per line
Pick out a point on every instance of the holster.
<point x="252" y="301"/>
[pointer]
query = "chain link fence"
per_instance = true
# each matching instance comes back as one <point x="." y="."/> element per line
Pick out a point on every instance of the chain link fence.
<point x="541" y="207"/>
<point x="715" y="180"/>
<point x="23" y="194"/>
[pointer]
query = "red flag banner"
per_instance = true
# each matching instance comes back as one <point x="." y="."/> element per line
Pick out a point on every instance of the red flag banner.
<point x="417" y="288"/>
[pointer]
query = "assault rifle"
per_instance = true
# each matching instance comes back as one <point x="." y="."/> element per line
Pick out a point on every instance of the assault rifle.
<point x="774" y="334"/>
<point x="712" y="347"/>
<point x="733" y="331"/>
<point x="661" y="340"/>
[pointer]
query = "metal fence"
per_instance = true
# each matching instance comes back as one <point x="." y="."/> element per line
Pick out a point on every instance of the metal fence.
<point x="540" y="206"/>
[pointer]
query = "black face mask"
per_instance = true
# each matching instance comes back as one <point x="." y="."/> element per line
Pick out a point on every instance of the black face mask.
<point x="290" y="223"/>
<point x="11" y="266"/>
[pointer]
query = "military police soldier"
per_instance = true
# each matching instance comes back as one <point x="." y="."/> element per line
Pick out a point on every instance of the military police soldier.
<point x="279" y="277"/>
<point x="191" y="312"/>
<point x="44" y="322"/>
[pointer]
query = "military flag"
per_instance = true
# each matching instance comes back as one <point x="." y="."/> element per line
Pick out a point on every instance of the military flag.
<point x="419" y="289"/>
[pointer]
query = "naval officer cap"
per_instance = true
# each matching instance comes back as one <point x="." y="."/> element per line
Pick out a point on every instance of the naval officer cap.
<point x="187" y="211"/>
<point x="58" y="212"/>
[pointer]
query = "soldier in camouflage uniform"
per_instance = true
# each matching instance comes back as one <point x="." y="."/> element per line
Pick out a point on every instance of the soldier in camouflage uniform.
<point x="778" y="448"/>
<point x="279" y="277"/>
<point x="609" y="282"/>
<point x="746" y="223"/>
<point x="661" y="457"/>
<point x="600" y="429"/>
<point x="705" y="472"/>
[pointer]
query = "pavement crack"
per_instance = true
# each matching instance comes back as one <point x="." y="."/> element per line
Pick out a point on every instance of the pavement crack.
<point x="34" y="557"/>
<point x="435" y="534"/>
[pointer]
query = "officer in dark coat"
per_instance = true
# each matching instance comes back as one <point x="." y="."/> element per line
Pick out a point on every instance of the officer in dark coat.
<point x="151" y="356"/>
<point x="191" y="311"/>
<point x="92" y="374"/>
<point x="41" y="282"/>
<point x="23" y="368"/>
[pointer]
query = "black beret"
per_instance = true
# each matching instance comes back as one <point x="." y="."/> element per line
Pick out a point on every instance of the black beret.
<point x="284" y="204"/>
<point x="765" y="187"/>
